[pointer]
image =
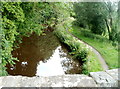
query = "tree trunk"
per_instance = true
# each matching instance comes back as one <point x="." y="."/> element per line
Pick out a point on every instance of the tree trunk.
<point x="108" y="28"/>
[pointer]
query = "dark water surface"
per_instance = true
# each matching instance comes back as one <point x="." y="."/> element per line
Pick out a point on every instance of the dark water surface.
<point x="43" y="56"/>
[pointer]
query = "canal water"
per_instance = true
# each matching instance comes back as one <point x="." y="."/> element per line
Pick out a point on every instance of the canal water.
<point x="43" y="55"/>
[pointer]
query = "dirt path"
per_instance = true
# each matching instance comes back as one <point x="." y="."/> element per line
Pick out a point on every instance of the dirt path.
<point x="101" y="59"/>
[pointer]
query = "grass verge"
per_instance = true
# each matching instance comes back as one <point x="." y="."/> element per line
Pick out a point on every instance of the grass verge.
<point x="91" y="63"/>
<point x="109" y="53"/>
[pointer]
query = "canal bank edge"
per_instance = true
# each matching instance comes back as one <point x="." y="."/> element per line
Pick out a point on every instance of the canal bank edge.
<point x="108" y="78"/>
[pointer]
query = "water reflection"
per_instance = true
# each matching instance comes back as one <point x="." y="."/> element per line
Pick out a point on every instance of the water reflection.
<point x="43" y="56"/>
<point x="52" y="66"/>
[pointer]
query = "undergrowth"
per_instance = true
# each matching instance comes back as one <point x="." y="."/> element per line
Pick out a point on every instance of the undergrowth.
<point x="78" y="49"/>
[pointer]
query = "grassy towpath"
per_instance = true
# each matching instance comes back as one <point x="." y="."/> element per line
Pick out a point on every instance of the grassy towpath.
<point x="99" y="56"/>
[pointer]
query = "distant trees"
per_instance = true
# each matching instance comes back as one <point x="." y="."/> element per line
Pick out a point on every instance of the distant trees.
<point x="111" y="20"/>
<point x="89" y="15"/>
<point x="118" y="20"/>
<point x="97" y="16"/>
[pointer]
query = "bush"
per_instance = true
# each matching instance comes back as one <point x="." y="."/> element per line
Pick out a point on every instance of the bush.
<point x="80" y="55"/>
<point x="85" y="70"/>
<point x="77" y="49"/>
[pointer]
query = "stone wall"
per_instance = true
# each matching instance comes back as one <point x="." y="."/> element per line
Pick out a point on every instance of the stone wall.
<point x="108" y="78"/>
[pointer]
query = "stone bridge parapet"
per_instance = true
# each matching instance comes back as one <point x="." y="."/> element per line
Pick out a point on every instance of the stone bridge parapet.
<point x="108" y="78"/>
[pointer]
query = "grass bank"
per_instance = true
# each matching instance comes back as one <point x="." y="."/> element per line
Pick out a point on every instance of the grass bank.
<point x="109" y="52"/>
<point x="78" y="49"/>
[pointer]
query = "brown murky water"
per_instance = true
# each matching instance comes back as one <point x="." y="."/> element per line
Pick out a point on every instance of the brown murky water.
<point x="43" y="56"/>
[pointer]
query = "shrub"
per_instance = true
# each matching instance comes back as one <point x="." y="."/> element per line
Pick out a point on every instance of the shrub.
<point x="77" y="49"/>
<point x="80" y="55"/>
<point x="85" y="70"/>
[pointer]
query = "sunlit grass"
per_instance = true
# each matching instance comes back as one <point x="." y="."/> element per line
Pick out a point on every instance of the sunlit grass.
<point x="109" y="53"/>
<point x="93" y="63"/>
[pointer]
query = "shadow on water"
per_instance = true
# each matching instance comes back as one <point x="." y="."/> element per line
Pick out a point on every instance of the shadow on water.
<point x="43" y="56"/>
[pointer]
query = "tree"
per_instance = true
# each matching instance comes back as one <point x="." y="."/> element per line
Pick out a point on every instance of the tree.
<point x="88" y="15"/>
<point x="112" y="19"/>
<point x="97" y="16"/>
<point x="22" y="19"/>
<point x="118" y="21"/>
